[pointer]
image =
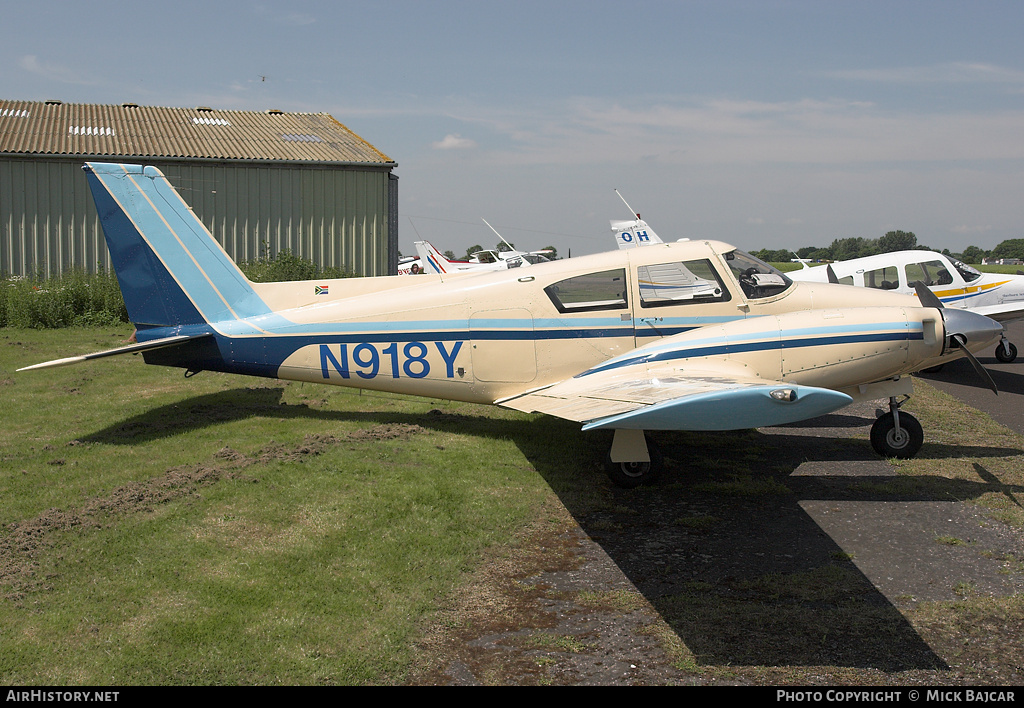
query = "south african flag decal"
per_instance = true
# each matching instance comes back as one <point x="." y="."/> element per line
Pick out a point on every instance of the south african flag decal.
<point x="320" y="289"/>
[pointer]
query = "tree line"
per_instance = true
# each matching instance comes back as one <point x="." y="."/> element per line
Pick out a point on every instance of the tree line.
<point x="843" y="249"/>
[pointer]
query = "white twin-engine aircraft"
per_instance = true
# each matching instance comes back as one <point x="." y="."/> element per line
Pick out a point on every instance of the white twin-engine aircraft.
<point x="677" y="336"/>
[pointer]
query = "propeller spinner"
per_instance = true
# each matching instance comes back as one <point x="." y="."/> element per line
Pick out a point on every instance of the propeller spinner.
<point x="963" y="327"/>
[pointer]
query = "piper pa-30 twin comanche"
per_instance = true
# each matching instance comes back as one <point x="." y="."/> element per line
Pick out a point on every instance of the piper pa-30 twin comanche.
<point x="956" y="284"/>
<point x="676" y="336"/>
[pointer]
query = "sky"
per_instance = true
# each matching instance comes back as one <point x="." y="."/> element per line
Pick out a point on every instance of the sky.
<point x="768" y="124"/>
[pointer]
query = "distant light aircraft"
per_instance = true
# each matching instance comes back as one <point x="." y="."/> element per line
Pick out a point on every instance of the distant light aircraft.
<point x="679" y="336"/>
<point x="432" y="261"/>
<point x="956" y="284"/>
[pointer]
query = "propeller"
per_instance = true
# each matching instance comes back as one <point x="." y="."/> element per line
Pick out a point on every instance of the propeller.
<point x="966" y="321"/>
<point x="982" y="372"/>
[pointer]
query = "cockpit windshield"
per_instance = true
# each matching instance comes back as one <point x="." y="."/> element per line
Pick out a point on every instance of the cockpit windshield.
<point x="966" y="271"/>
<point x="757" y="278"/>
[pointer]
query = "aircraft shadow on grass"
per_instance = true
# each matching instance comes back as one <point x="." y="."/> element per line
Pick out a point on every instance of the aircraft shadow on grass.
<point x="743" y="576"/>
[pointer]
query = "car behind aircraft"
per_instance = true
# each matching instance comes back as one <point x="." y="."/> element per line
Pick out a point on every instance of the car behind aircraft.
<point x="679" y="336"/>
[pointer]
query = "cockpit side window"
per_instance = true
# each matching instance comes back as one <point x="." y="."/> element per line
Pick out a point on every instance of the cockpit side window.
<point x="605" y="290"/>
<point x="928" y="272"/>
<point x="757" y="278"/>
<point x="887" y="278"/>
<point x="680" y="283"/>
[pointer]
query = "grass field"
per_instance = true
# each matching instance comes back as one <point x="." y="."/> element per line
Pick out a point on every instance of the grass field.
<point x="157" y="529"/>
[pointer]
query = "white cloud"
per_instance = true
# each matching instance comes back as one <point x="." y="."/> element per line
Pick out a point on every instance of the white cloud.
<point x="951" y="72"/>
<point x="454" y="142"/>
<point x="719" y="132"/>
<point x="54" y="72"/>
<point x="965" y="229"/>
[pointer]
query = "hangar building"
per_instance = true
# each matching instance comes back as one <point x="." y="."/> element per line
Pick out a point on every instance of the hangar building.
<point x="261" y="181"/>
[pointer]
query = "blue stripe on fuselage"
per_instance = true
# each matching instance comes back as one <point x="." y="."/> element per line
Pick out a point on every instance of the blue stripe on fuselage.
<point x="765" y="344"/>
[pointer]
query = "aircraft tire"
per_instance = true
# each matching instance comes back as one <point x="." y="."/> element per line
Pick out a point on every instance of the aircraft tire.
<point x="630" y="475"/>
<point x="1007" y="354"/>
<point x="885" y="441"/>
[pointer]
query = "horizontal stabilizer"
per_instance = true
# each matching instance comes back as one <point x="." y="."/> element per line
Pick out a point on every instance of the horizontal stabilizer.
<point x="130" y="349"/>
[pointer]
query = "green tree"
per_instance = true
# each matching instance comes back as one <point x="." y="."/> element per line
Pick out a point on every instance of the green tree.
<point x="471" y="250"/>
<point x="973" y="254"/>
<point x="777" y="256"/>
<point x="843" y="249"/>
<point x="1010" y="248"/>
<point x="897" y="241"/>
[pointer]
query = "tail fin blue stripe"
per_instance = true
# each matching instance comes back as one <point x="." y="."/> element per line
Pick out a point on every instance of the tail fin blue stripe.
<point x="171" y="270"/>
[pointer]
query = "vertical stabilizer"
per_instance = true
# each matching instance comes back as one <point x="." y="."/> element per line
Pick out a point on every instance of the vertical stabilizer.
<point x="630" y="234"/>
<point x="171" y="270"/>
<point x="432" y="260"/>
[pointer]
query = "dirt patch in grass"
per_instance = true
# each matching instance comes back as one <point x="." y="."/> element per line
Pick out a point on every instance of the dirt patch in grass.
<point x="22" y="542"/>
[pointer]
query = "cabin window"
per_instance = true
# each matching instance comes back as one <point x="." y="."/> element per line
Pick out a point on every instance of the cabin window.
<point x="680" y="283"/>
<point x="848" y="280"/>
<point x="929" y="272"/>
<point x="605" y="290"/>
<point x="887" y="278"/>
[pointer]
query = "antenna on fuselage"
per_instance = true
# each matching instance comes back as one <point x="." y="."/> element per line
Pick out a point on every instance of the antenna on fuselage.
<point x="510" y="246"/>
<point x="627" y="205"/>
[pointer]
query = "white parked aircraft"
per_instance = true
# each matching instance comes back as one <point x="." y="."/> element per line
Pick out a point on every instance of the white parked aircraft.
<point x="956" y="284"/>
<point x="430" y="260"/>
<point x="677" y="336"/>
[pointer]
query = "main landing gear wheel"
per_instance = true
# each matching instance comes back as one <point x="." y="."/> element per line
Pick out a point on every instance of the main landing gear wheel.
<point x="890" y="441"/>
<point x="630" y="475"/>
<point x="1006" y="352"/>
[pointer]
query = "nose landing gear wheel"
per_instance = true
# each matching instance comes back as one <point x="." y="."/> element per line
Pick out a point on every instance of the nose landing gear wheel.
<point x="1006" y="352"/>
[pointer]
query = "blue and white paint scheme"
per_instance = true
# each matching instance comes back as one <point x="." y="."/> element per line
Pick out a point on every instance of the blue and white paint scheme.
<point x="694" y="335"/>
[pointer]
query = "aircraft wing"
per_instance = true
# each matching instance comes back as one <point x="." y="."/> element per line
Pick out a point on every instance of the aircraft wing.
<point x="715" y="396"/>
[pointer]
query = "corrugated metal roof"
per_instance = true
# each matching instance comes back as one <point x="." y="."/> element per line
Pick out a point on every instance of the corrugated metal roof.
<point x="54" y="128"/>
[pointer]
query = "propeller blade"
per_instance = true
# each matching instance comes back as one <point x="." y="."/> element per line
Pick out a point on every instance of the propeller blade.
<point x="982" y="372"/>
<point x="926" y="296"/>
